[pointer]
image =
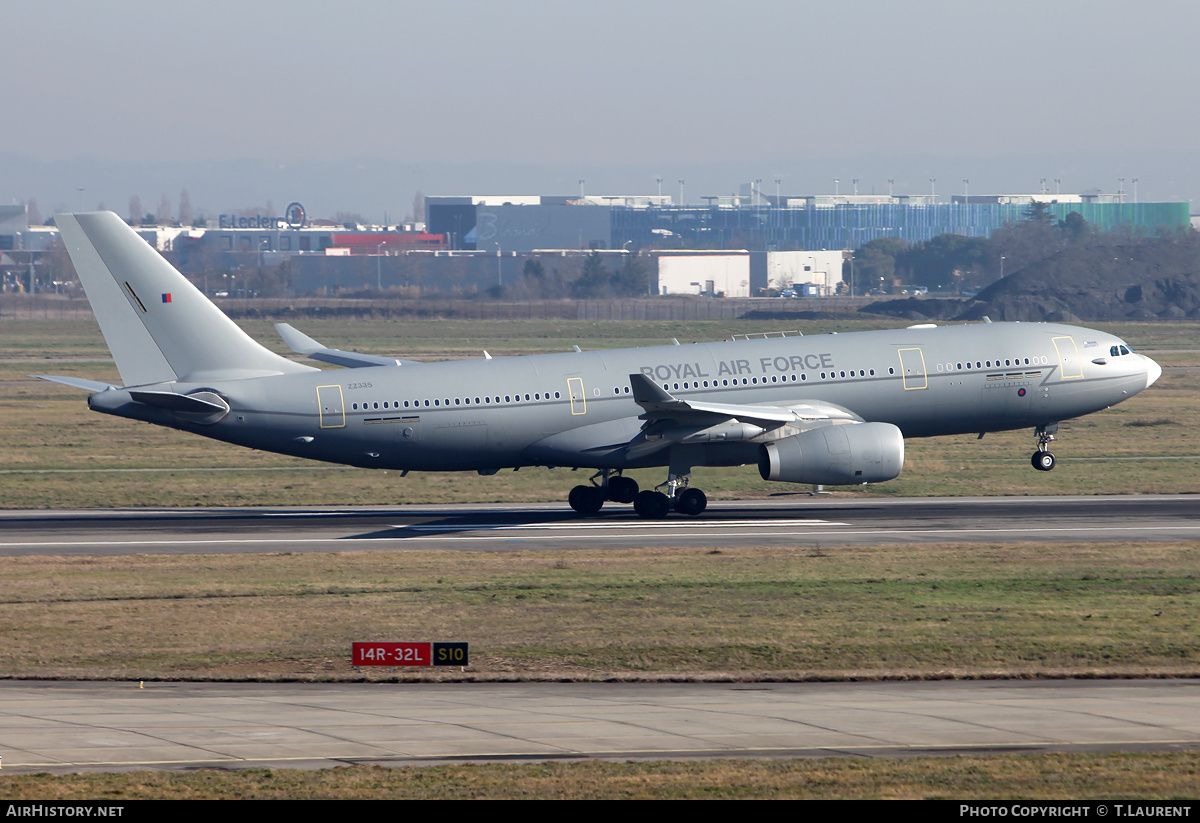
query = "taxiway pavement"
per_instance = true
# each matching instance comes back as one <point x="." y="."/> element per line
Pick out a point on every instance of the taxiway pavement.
<point x="69" y="727"/>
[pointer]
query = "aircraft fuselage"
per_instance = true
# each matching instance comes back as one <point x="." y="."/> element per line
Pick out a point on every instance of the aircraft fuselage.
<point x="577" y="408"/>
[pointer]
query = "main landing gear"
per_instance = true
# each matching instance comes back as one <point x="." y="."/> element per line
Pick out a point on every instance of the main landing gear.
<point x="679" y="497"/>
<point x="588" y="500"/>
<point x="1042" y="459"/>
<point x="684" y="500"/>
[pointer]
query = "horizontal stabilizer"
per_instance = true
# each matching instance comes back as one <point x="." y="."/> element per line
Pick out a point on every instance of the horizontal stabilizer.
<point x="301" y="343"/>
<point x="77" y="382"/>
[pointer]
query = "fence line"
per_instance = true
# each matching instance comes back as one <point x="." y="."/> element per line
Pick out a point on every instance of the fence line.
<point x="54" y="307"/>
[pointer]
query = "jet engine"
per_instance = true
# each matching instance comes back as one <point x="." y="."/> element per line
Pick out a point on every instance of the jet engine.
<point x="835" y="455"/>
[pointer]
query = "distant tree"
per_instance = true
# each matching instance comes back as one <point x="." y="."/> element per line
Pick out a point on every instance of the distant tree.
<point x="135" y="209"/>
<point x="533" y="270"/>
<point x="32" y="214"/>
<point x="61" y="269"/>
<point x="1074" y="226"/>
<point x="1039" y="212"/>
<point x="593" y="280"/>
<point x="164" y="209"/>
<point x="418" y="209"/>
<point x="632" y="279"/>
<point x="186" y="215"/>
<point x="1021" y="244"/>
<point x="875" y="263"/>
<point x="944" y="261"/>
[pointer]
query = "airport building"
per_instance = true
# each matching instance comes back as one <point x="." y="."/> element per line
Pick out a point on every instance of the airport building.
<point x="758" y="222"/>
<point x="735" y="245"/>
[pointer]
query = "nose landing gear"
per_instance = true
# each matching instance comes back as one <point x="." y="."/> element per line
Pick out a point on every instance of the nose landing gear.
<point x="1042" y="459"/>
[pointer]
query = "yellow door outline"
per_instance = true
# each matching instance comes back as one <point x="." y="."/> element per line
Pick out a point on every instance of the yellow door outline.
<point x="915" y="364"/>
<point x="578" y="395"/>
<point x="331" y="407"/>
<point x="1070" y="368"/>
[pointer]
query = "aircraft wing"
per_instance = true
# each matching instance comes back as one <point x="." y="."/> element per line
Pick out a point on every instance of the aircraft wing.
<point x="662" y="405"/>
<point x="671" y="420"/>
<point x="301" y="343"/>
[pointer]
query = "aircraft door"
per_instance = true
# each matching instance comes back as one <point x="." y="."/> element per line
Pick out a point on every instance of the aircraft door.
<point x="578" y="395"/>
<point x="1068" y="358"/>
<point x="912" y="369"/>
<point x="330" y="407"/>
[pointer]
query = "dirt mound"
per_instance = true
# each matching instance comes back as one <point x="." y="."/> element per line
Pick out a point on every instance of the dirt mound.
<point x="1155" y="279"/>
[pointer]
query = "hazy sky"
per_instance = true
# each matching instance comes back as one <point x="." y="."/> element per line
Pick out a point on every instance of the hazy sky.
<point x="528" y="96"/>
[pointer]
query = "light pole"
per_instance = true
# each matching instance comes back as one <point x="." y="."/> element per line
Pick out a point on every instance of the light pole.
<point x="933" y="188"/>
<point x="499" y="271"/>
<point x="856" y="185"/>
<point x="581" y="182"/>
<point x="836" y="184"/>
<point x="1135" y="181"/>
<point x="681" y="182"/>
<point x="891" y="183"/>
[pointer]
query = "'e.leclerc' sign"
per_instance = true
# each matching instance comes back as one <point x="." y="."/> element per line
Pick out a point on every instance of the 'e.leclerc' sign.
<point x="257" y="221"/>
<point x="409" y="654"/>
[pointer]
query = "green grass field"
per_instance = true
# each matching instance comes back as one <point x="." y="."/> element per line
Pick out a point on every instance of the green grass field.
<point x="1158" y="776"/>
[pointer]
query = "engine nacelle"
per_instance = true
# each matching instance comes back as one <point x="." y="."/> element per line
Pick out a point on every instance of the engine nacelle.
<point x="835" y="455"/>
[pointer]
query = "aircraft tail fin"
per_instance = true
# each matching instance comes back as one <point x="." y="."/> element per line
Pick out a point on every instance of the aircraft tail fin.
<point x="159" y="327"/>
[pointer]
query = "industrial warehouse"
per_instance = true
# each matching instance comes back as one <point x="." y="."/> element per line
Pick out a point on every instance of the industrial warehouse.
<point x="744" y="245"/>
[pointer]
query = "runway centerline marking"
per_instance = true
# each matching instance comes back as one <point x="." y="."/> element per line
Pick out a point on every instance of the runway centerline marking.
<point x="709" y="524"/>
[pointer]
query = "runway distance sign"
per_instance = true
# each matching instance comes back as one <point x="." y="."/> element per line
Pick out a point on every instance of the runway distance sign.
<point x="408" y="654"/>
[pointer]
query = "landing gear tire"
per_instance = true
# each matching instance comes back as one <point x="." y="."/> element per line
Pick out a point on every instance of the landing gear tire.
<point x="1043" y="461"/>
<point x="691" y="502"/>
<point x="622" y="489"/>
<point x="651" y="504"/>
<point x="586" y="500"/>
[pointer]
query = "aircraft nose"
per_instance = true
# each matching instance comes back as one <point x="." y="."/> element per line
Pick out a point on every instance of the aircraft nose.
<point x="1153" y="371"/>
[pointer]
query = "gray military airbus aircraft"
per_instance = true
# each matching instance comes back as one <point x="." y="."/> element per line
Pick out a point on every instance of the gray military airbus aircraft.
<point x="826" y="409"/>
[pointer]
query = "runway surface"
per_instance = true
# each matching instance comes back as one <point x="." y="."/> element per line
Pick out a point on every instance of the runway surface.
<point x="788" y="521"/>
<point x="67" y="727"/>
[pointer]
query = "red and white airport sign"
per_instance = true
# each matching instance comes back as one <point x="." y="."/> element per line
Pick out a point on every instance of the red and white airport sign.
<point x="385" y="653"/>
